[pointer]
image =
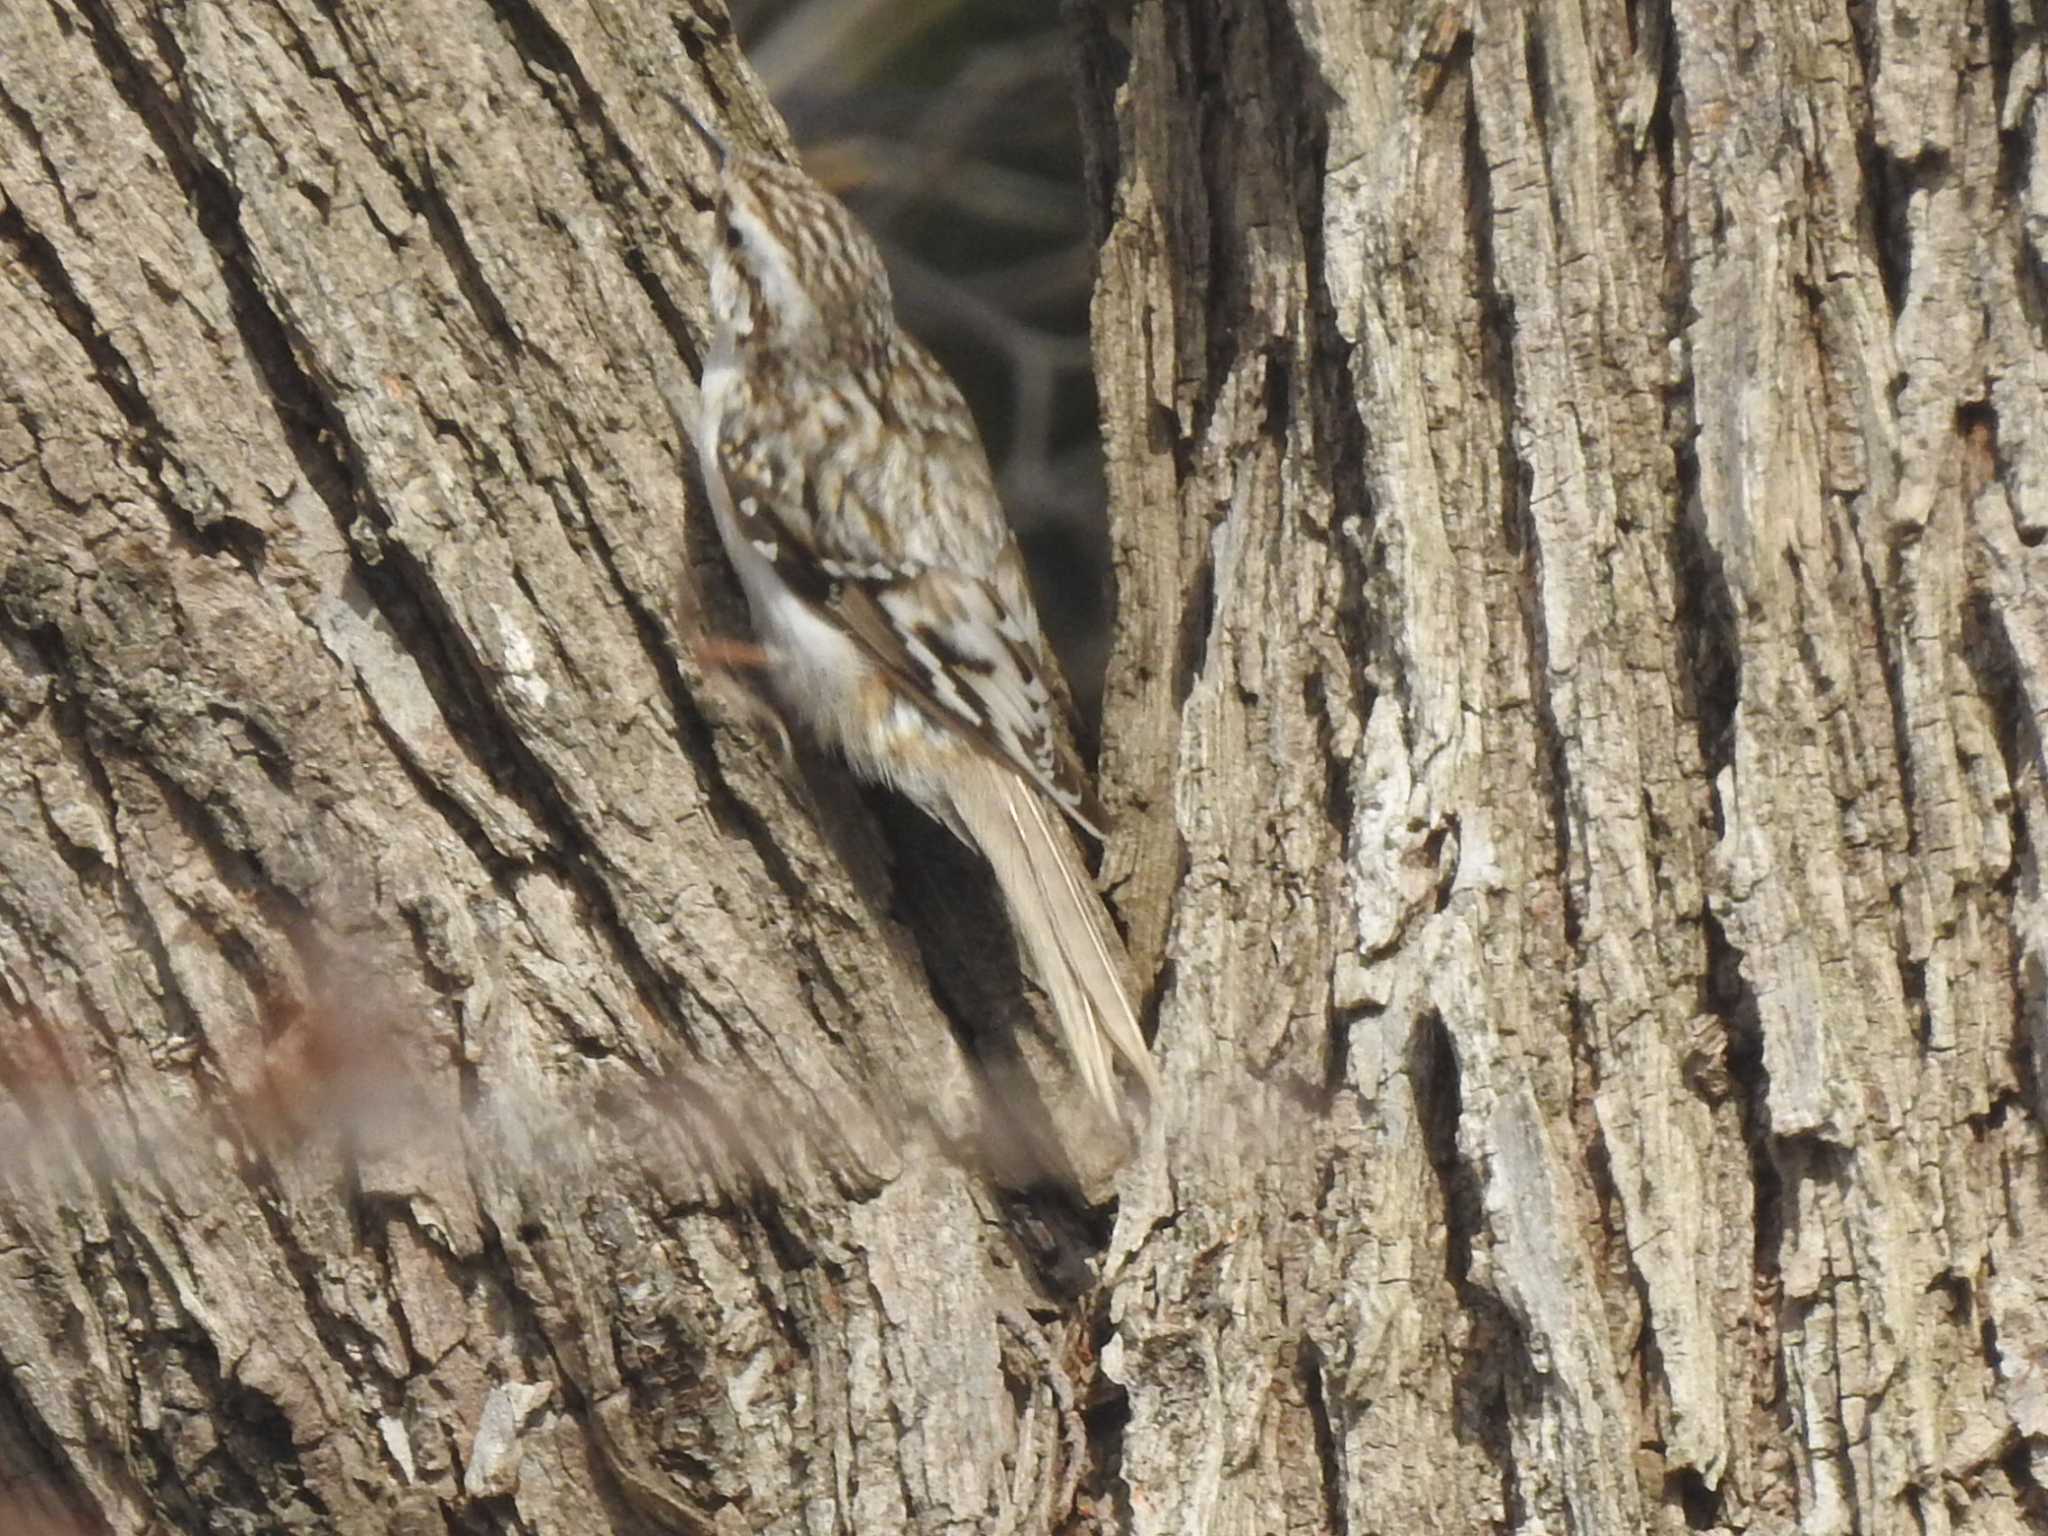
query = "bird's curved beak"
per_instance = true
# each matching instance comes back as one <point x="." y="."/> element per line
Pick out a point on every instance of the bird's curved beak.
<point x="716" y="142"/>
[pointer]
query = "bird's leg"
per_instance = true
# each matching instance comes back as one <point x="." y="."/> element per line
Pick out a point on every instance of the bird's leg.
<point x="734" y="671"/>
<point x="724" y="653"/>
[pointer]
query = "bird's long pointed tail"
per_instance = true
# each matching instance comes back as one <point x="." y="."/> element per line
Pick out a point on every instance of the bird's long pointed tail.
<point x="1073" y="946"/>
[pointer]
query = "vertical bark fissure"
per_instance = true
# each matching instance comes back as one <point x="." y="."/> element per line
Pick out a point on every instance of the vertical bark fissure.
<point x="1341" y="445"/>
<point x="1493" y="1355"/>
<point x="1707" y="639"/>
<point x="1517" y="487"/>
<point x="1315" y="1388"/>
<point x="1996" y="669"/>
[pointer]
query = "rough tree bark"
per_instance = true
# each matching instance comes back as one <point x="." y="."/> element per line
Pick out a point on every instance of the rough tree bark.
<point x="1580" y="485"/>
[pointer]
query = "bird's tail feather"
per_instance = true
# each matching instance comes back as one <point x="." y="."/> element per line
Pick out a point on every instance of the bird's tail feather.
<point x="1061" y="920"/>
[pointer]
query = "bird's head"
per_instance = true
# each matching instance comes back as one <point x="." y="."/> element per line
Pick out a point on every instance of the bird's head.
<point x="792" y="269"/>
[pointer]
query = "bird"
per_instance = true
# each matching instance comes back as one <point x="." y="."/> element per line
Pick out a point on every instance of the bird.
<point x="889" y="600"/>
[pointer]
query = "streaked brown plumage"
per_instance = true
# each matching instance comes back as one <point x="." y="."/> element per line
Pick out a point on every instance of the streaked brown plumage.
<point x="855" y="501"/>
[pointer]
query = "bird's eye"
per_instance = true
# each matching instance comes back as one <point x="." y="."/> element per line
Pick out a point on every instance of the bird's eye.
<point x="732" y="237"/>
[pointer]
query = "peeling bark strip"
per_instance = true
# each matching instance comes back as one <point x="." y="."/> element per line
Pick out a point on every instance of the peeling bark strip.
<point x="1577" y="727"/>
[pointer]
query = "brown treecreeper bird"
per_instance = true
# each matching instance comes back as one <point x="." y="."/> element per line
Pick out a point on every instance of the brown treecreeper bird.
<point x="854" y="499"/>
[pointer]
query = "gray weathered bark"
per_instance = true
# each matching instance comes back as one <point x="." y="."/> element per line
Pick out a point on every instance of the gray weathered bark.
<point x="1576" y="724"/>
<point x="1583" y="475"/>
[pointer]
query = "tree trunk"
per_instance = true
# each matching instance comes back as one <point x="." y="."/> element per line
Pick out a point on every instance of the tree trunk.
<point x="1580" y="486"/>
<point x="1583" y="479"/>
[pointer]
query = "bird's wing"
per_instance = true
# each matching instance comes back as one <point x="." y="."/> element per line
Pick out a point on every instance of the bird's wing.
<point x="946" y="637"/>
